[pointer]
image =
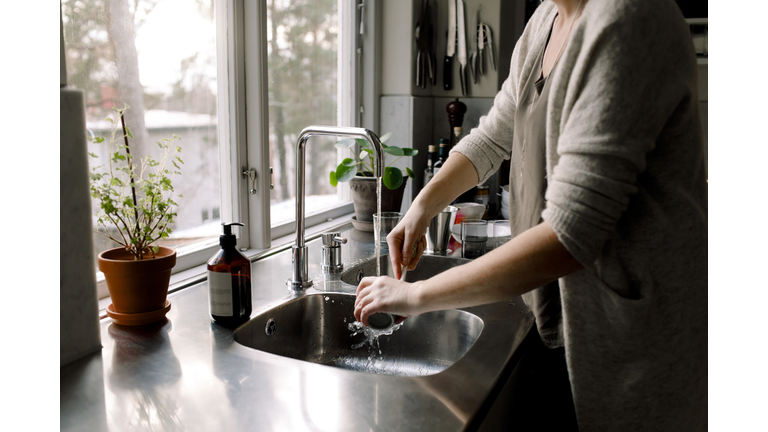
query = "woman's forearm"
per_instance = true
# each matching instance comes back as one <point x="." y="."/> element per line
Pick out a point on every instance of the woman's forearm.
<point x="457" y="176"/>
<point x="530" y="260"/>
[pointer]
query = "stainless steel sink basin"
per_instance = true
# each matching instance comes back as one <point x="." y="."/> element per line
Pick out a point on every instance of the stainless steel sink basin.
<point x="315" y="328"/>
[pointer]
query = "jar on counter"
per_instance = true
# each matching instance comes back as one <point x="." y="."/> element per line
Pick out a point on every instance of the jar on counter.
<point x="483" y="197"/>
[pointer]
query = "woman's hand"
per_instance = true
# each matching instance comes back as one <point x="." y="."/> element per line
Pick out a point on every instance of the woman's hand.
<point x="407" y="241"/>
<point x="384" y="294"/>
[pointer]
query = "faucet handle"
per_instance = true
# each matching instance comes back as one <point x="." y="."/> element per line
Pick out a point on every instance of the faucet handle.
<point x="332" y="239"/>
<point x="332" y="252"/>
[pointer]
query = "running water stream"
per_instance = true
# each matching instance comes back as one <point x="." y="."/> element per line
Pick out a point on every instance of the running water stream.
<point x="372" y="335"/>
<point x="376" y="227"/>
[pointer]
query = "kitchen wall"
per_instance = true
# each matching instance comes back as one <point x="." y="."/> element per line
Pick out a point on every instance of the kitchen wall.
<point x="417" y="116"/>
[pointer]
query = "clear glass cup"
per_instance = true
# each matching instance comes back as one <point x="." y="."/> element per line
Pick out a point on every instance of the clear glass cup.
<point x="383" y="225"/>
<point x="502" y="232"/>
<point x="474" y="236"/>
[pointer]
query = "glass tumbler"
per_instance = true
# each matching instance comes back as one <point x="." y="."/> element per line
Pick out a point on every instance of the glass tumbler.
<point x="474" y="235"/>
<point x="383" y="225"/>
<point x="502" y="232"/>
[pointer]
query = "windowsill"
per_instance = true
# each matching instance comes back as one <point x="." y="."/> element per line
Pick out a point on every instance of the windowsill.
<point x="196" y="274"/>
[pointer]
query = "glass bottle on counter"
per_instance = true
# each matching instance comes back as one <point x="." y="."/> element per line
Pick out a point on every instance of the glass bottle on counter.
<point x="229" y="282"/>
<point x="442" y="154"/>
<point x="429" y="171"/>
<point x="482" y="197"/>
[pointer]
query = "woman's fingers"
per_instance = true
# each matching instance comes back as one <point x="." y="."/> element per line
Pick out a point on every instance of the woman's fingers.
<point x="395" y="243"/>
<point x="421" y="246"/>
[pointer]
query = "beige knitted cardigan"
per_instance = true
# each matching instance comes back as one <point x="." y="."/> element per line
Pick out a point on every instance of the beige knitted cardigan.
<point x="627" y="197"/>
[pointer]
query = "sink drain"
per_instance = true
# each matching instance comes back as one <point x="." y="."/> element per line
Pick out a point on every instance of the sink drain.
<point x="271" y="327"/>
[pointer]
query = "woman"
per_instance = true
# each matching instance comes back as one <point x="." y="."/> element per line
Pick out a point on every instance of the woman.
<point x="609" y="202"/>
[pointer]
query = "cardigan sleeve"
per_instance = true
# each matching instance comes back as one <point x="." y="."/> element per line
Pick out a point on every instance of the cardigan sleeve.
<point x="630" y="77"/>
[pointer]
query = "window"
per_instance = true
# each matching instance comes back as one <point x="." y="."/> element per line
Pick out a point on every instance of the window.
<point x="158" y="57"/>
<point x="182" y="67"/>
<point x="303" y="45"/>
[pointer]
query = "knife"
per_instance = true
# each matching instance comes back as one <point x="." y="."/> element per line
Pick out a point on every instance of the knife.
<point x="450" y="47"/>
<point x="462" y="45"/>
<point x="490" y="45"/>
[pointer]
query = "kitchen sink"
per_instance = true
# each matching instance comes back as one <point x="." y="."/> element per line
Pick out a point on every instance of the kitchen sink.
<point x="315" y="327"/>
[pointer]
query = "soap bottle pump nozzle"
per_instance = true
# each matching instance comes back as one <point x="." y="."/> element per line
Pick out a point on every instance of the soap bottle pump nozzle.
<point x="228" y="239"/>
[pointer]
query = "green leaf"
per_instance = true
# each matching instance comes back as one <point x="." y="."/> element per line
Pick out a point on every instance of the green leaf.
<point x="179" y="159"/>
<point x="99" y="140"/>
<point x="410" y="173"/>
<point x="128" y="132"/>
<point x="394" y="151"/>
<point x="348" y="162"/>
<point x="393" y="178"/>
<point x="116" y="182"/>
<point x="92" y="155"/>
<point x="362" y="143"/>
<point x="345" y="173"/>
<point x="345" y="144"/>
<point x="178" y="149"/>
<point x="333" y="180"/>
<point x="407" y="151"/>
<point x="118" y="156"/>
<point x="385" y="137"/>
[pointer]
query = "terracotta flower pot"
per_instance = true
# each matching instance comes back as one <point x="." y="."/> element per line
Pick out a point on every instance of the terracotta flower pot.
<point x="138" y="286"/>
<point x="364" y="197"/>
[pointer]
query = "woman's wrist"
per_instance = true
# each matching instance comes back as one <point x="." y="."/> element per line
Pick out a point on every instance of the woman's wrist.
<point x="415" y="298"/>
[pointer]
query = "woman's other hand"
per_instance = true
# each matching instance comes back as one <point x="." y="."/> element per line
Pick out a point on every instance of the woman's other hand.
<point x="384" y="294"/>
<point x="407" y="241"/>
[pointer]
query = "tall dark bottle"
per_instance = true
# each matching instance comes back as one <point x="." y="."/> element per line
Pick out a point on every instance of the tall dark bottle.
<point x="229" y="282"/>
<point x="442" y="154"/>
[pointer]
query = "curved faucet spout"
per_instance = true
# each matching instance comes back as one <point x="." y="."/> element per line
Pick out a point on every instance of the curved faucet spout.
<point x="300" y="279"/>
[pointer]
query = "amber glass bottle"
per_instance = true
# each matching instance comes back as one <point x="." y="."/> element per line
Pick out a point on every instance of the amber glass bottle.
<point x="229" y="282"/>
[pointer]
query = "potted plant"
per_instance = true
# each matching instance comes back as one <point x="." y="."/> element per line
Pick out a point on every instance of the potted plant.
<point x="135" y="210"/>
<point x="358" y="171"/>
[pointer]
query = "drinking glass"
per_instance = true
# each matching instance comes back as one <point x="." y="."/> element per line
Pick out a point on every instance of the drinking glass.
<point x="474" y="235"/>
<point x="383" y="225"/>
<point x="502" y="232"/>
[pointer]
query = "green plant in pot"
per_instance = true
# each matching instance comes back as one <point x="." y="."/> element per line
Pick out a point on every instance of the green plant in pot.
<point x="136" y="209"/>
<point x="358" y="171"/>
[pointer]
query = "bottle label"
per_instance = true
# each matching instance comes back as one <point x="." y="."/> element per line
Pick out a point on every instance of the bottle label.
<point x="220" y="294"/>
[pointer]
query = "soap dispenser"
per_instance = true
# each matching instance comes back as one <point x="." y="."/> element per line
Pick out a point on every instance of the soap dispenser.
<point x="229" y="282"/>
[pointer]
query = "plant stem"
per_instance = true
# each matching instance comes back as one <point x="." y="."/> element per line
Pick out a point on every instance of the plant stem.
<point x="133" y="182"/>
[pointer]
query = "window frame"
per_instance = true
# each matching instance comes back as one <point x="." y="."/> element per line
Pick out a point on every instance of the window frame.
<point x="243" y="119"/>
<point x="242" y="51"/>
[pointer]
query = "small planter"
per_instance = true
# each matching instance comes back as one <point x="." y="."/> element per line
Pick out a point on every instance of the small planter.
<point x="139" y="288"/>
<point x="364" y="197"/>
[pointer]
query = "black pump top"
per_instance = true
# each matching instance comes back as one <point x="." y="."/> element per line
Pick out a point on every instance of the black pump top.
<point x="228" y="239"/>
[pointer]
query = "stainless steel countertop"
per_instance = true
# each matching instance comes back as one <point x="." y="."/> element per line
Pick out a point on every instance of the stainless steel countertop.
<point x="187" y="373"/>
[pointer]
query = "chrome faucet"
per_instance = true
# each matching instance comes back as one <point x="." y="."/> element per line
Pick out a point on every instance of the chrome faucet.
<point x="300" y="278"/>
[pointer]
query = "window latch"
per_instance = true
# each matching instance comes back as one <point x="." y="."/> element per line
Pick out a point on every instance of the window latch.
<point x="251" y="174"/>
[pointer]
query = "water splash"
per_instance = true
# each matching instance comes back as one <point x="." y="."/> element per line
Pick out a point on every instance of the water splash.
<point x="371" y="335"/>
